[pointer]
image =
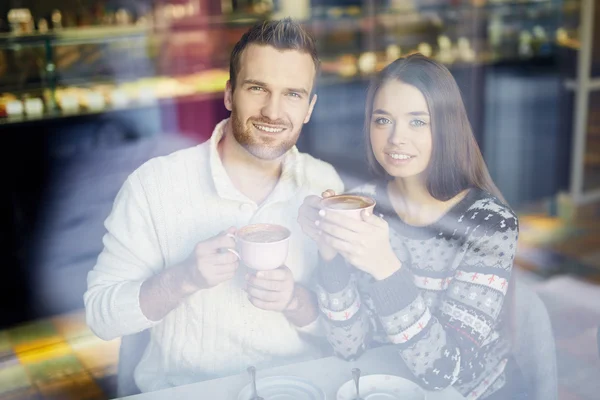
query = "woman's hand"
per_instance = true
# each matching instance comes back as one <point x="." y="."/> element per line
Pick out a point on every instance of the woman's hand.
<point x="308" y="218"/>
<point x="363" y="243"/>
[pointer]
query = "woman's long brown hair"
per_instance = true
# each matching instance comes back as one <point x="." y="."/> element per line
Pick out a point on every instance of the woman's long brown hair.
<point x="456" y="160"/>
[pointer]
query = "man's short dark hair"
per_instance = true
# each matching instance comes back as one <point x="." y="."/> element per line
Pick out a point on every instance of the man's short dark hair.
<point x="284" y="34"/>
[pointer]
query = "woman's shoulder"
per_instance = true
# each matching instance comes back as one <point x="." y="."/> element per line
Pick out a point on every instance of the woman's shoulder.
<point x="489" y="213"/>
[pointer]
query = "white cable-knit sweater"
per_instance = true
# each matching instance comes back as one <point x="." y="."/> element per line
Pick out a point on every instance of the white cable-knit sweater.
<point x="165" y="208"/>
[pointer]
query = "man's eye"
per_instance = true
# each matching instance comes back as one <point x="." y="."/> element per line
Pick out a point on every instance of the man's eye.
<point x="256" y="89"/>
<point x="295" y="95"/>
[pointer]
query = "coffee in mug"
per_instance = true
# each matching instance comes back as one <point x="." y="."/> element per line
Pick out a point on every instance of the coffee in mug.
<point x="263" y="233"/>
<point x="262" y="246"/>
<point x="348" y="204"/>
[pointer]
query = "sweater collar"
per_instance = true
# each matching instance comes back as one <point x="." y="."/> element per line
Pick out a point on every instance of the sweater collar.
<point x="290" y="181"/>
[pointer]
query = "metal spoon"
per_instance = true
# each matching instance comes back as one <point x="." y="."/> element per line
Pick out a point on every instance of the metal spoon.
<point x="252" y="372"/>
<point x="356" y="376"/>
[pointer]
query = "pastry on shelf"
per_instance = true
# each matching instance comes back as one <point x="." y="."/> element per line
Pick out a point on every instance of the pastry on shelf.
<point x="209" y="81"/>
<point x="171" y="87"/>
<point x="67" y="99"/>
<point x="347" y="66"/>
<point x="446" y="52"/>
<point x="91" y="100"/>
<point x="465" y="52"/>
<point x="112" y="95"/>
<point x="393" y="52"/>
<point x="425" y="49"/>
<point x="10" y="105"/>
<point x="141" y="91"/>
<point x="367" y="63"/>
<point x="117" y="98"/>
<point x="34" y="106"/>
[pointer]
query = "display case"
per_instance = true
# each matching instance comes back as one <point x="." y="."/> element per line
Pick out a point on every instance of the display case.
<point x="178" y="54"/>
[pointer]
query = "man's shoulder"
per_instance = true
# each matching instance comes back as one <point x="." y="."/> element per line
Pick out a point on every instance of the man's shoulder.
<point x="314" y="166"/>
<point x="320" y="174"/>
<point x="173" y="164"/>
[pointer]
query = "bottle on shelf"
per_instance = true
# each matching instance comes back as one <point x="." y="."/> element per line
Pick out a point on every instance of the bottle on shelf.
<point x="495" y="32"/>
<point x="541" y="44"/>
<point x="56" y="18"/>
<point x="446" y="52"/>
<point x="42" y="25"/>
<point x="525" y="44"/>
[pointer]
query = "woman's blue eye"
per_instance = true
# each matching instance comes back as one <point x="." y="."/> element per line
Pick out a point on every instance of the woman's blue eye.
<point x="417" y="123"/>
<point x="383" y="121"/>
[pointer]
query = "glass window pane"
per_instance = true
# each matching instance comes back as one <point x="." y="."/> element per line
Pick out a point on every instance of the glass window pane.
<point x="591" y="177"/>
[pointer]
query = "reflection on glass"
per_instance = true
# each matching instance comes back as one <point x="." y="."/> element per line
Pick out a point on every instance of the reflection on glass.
<point x="591" y="177"/>
<point x="596" y="42"/>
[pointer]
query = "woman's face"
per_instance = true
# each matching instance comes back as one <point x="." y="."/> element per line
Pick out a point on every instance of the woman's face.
<point x="400" y="130"/>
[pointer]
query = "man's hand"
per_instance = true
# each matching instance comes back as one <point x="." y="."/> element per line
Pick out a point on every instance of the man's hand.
<point x="271" y="290"/>
<point x="211" y="264"/>
<point x="276" y="291"/>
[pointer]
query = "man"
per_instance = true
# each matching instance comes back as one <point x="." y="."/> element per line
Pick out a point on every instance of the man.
<point x="165" y="265"/>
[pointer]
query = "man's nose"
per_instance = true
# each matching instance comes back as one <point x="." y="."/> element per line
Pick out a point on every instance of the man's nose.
<point x="272" y="108"/>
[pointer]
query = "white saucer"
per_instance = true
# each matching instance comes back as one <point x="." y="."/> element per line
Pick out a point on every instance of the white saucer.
<point x="382" y="387"/>
<point x="283" y="388"/>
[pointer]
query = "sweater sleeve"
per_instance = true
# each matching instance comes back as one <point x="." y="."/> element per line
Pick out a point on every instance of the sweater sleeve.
<point x="442" y="347"/>
<point x="328" y="178"/>
<point x="345" y="317"/>
<point x="131" y="255"/>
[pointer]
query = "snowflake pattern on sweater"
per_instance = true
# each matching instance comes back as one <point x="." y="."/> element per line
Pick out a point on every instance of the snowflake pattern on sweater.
<point x="443" y="308"/>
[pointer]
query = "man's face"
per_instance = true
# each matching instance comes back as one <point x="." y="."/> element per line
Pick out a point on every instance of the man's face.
<point x="271" y="100"/>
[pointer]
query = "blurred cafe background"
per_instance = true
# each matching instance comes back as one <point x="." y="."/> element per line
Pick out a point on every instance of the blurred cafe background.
<point x="91" y="89"/>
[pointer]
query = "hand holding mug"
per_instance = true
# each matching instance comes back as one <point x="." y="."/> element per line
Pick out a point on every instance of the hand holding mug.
<point x="211" y="264"/>
<point x="271" y="290"/>
<point x="361" y="238"/>
<point x="308" y="218"/>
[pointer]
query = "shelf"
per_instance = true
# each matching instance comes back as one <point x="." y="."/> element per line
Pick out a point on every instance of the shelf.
<point x="103" y="34"/>
<point x="76" y="66"/>
<point x="327" y="79"/>
<point x="58" y="114"/>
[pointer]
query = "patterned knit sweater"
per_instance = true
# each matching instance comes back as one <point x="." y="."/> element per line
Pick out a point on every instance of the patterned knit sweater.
<point x="442" y="309"/>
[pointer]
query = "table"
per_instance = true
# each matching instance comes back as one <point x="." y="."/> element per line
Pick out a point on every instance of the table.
<point x="327" y="373"/>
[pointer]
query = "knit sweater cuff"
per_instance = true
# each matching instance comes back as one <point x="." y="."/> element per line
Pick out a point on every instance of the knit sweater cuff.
<point x="315" y="328"/>
<point x="394" y="293"/>
<point x="129" y="308"/>
<point x="334" y="275"/>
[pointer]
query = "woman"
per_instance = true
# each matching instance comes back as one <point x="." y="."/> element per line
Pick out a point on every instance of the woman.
<point x="429" y="271"/>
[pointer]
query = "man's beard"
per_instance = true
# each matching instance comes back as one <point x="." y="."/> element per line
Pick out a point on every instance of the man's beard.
<point x="264" y="147"/>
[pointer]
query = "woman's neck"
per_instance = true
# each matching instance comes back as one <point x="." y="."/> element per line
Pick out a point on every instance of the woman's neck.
<point x="414" y="204"/>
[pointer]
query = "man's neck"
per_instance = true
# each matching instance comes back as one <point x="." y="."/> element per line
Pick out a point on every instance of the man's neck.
<point x="253" y="177"/>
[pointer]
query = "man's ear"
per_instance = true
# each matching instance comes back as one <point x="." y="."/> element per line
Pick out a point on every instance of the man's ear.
<point x="228" y="99"/>
<point x="311" y="107"/>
